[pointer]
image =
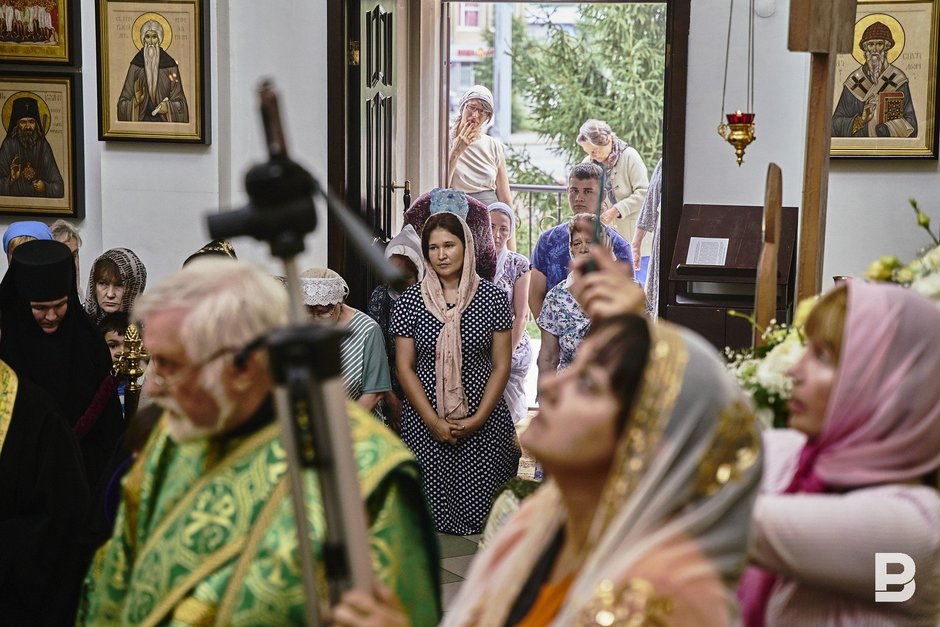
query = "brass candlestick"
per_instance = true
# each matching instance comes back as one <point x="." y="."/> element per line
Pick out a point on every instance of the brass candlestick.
<point x="739" y="132"/>
<point x="128" y="366"/>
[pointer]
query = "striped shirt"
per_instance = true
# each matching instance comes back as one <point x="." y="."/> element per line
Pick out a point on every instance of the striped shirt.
<point x="365" y="366"/>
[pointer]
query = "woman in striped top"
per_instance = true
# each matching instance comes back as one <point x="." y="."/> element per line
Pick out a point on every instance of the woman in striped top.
<point x="365" y="367"/>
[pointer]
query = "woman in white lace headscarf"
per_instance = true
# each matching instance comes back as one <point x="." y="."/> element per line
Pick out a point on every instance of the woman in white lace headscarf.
<point x="364" y="364"/>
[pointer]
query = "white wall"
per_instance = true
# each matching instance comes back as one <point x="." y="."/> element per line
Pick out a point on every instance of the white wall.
<point x="153" y="198"/>
<point x="868" y="214"/>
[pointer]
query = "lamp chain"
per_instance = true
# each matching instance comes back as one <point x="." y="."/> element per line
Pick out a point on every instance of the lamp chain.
<point x="750" y="59"/>
<point x="724" y="86"/>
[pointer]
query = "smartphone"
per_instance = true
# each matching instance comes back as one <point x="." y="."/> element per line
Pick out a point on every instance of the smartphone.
<point x="596" y="237"/>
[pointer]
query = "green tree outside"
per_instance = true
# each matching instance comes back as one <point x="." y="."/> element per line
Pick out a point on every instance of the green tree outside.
<point x="610" y="66"/>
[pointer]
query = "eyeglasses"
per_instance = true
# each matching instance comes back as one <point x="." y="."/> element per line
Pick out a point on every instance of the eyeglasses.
<point x="322" y="311"/>
<point x="476" y="109"/>
<point x="170" y="381"/>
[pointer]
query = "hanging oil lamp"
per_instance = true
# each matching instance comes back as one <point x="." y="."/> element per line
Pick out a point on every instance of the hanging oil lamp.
<point x="739" y="128"/>
<point x="739" y="132"/>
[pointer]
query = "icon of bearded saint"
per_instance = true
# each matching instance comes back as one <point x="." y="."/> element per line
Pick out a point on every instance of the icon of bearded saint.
<point x="876" y="97"/>
<point x="153" y="91"/>
<point x="27" y="164"/>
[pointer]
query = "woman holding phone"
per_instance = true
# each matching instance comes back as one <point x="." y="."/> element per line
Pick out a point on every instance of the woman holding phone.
<point x="563" y="322"/>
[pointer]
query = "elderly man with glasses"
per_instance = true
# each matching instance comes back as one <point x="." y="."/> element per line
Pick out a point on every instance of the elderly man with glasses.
<point x="205" y="532"/>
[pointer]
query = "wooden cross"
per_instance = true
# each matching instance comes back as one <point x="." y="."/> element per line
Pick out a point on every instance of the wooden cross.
<point x="823" y="28"/>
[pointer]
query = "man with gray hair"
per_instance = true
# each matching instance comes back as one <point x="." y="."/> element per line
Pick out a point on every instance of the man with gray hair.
<point x="65" y="232"/>
<point x="153" y="89"/>
<point x="205" y="527"/>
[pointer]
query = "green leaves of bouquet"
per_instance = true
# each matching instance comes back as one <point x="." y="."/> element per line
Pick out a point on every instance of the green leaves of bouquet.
<point x="762" y="372"/>
<point x="922" y="274"/>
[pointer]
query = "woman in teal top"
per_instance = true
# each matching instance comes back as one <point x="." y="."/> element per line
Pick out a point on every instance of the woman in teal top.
<point x="365" y="366"/>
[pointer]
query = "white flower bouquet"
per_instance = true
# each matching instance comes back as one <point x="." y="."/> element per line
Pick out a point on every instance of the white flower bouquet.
<point x="762" y="372"/>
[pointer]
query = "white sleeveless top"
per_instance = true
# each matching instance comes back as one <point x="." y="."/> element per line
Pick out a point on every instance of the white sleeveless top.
<point x="477" y="166"/>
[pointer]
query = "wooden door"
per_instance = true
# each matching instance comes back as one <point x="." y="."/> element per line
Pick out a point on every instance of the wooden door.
<point x="361" y="128"/>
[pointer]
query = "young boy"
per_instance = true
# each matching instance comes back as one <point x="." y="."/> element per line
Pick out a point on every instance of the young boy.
<point x="113" y="327"/>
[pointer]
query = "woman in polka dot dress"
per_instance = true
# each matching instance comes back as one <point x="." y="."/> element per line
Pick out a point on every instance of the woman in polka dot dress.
<point x="453" y="354"/>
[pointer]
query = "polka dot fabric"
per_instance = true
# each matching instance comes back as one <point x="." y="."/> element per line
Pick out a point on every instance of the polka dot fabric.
<point x="460" y="481"/>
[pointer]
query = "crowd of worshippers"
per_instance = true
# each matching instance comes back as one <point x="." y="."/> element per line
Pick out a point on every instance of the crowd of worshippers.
<point x="664" y="501"/>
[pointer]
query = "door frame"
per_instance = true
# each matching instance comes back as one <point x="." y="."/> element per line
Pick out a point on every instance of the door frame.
<point x="419" y="39"/>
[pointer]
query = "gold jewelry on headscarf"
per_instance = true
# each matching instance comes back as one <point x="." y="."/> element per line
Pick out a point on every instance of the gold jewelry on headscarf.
<point x="215" y="247"/>
<point x="735" y="447"/>
<point x="664" y="373"/>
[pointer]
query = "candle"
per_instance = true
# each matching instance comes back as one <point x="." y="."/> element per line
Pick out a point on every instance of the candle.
<point x="740" y="118"/>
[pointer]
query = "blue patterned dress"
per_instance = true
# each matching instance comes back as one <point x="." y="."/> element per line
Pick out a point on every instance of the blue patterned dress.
<point x="563" y="317"/>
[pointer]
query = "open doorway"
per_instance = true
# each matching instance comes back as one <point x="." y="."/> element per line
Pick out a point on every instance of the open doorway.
<point x="550" y="68"/>
<point x="418" y="134"/>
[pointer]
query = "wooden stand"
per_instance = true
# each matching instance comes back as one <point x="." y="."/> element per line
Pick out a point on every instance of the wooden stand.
<point x="701" y="295"/>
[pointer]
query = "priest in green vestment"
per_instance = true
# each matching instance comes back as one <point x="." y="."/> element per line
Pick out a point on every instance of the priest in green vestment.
<point x="205" y="532"/>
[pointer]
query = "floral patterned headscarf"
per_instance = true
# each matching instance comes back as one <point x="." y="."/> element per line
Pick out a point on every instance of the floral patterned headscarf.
<point x="478" y="220"/>
<point x="448" y="356"/>
<point x="133" y="276"/>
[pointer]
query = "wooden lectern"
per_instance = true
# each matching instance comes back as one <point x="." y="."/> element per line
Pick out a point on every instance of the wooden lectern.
<point x="701" y="293"/>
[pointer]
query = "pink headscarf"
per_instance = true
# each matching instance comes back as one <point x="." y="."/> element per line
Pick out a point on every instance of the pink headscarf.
<point x="448" y="354"/>
<point x="883" y="420"/>
<point x="882" y="424"/>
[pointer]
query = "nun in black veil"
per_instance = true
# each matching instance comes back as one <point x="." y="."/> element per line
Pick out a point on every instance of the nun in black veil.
<point x="47" y="338"/>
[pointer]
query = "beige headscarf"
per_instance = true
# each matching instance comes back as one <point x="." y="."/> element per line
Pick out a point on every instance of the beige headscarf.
<point x="448" y="357"/>
<point x="669" y="537"/>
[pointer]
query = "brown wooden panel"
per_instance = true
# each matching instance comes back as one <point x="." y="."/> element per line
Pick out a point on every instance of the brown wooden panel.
<point x="715" y="325"/>
<point x="743" y="226"/>
<point x="678" y="24"/>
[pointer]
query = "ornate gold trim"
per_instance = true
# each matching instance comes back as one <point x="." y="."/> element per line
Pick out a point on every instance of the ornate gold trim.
<point x="195" y="612"/>
<point x="211" y="563"/>
<point x="250" y="548"/>
<point x="248" y="446"/>
<point x="635" y="604"/>
<point x="133" y="481"/>
<point x="734" y="448"/>
<point x="9" y="385"/>
<point x="656" y="399"/>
